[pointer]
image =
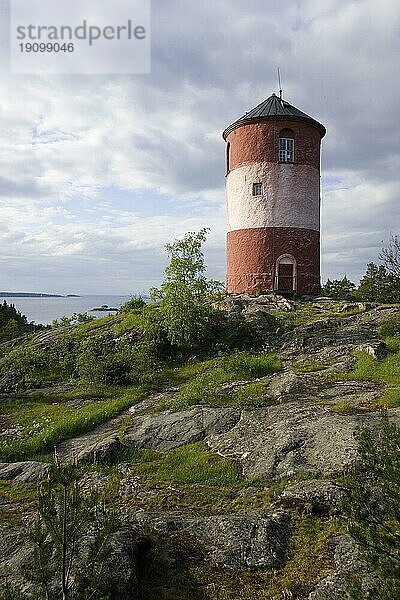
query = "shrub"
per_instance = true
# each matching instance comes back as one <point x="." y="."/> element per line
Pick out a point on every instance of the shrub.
<point x="390" y="328"/>
<point x="244" y="365"/>
<point x="136" y="304"/>
<point x="372" y="505"/>
<point x="12" y="322"/>
<point x="339" y="288"/>
<point x="75" y="319"/>
<point x="378" y="285"/>
<point x="92" y="356"/>
<point x="29" y="362"/>
<point x="104" y="359"/>
<point x="71" y="536"/>
<point x="234" y="335"/>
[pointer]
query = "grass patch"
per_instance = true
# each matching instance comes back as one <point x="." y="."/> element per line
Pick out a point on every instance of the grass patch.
<point x="176" y="376"/>
<point x="129" y="320"/>
<point x="207" y="387"/>
<point x="202" y="499"/>
<point x="190" y="464"/>
<point x="390" y="399"/>
<point x="393" y="343"/>
<point x="308" y="366"/>
<point x="58" y="422"/>
<point x="10" y="491"/>
<point x="244" y="365"/>
<point x="306" y="313"/>
<point x="84" y="328"/>
<point x="18" y="495"/>
<point x="344" y="407"/>
<point x="390" y="328"/>
<point x="202" y="390"/>
<point x="86" y="391"/>
<point x="252" y="394"/>
<point x="212" y="494"/>
<point x="384" y="371"/>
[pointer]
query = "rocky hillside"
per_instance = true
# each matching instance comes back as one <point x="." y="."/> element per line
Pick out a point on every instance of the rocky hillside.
<point x="227" y="471"/>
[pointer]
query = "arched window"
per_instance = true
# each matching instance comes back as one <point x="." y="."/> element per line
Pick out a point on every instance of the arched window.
<point x="286" y="145"/>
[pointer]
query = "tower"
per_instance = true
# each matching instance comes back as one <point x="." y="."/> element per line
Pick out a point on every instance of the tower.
<point x="273" y="200"/>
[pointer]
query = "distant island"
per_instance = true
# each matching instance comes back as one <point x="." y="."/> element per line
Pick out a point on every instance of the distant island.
<point x="34" y="295"/>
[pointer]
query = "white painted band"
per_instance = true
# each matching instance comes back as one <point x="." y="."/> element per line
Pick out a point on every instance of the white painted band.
<point x="290" y="196"/>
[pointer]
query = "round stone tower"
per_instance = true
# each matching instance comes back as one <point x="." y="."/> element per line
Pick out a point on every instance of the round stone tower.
<point x="273" y="200"/>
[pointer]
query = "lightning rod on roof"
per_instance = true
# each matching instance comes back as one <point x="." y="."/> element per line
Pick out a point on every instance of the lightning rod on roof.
<point x="280" y="83"/>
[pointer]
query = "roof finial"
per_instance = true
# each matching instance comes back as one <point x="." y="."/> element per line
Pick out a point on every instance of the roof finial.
<point x="280" y="84"/>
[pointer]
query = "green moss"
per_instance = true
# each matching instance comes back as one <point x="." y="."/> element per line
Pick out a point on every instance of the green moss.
<point x="310" y="556"/>
<point x="179" y="572"/>
<point x="390" y="398"/>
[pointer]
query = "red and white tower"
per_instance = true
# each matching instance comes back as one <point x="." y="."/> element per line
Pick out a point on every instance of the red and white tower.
<point x="273" y="200"/>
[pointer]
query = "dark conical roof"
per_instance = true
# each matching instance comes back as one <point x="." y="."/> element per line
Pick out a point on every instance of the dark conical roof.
<point x="271" y="108"/>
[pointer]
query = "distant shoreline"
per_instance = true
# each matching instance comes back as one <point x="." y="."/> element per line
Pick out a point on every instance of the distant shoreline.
<point x="34" y="295"/>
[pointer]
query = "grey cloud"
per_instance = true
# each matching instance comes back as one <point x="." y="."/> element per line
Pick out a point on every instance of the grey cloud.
<point x="25" y="187"/>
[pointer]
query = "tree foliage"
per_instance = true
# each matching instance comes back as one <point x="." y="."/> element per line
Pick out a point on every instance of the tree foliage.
<point x="71" y="537"/>
<point x="185" y="295"/>
<point x="12" y="322"/>
<point x="378" y="285"/>
<point x="372" y="504"/>
<point x="75" y="319"/>
<point x="104" y="359"/>
<point x="135" y="303"/>
<point x="339" y="288"/>
<point x="391" y="255"/>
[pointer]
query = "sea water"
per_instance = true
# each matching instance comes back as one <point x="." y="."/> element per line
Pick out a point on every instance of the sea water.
<point x="46" y="310"/>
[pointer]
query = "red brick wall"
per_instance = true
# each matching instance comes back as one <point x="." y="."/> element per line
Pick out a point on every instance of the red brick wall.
<point x="259" y="142"/>
<point x="252" y="256"/>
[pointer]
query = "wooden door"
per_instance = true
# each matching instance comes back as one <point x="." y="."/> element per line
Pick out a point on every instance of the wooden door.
<point x="285" y="277"/>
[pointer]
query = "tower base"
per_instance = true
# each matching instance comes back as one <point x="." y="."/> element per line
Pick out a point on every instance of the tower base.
<point x="281" y="259"/>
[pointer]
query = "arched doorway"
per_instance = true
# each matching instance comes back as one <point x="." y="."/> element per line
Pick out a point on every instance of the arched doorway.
<point x="286" y="274"/>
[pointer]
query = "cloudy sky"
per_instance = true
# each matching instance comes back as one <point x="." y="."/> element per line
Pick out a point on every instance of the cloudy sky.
<point x="98" y="172"/>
